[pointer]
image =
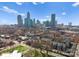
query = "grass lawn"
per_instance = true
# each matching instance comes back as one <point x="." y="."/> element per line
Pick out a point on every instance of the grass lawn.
<point x="32" y="53"/>
<point x="18" y="48"/>
<point x="27" y="51"/>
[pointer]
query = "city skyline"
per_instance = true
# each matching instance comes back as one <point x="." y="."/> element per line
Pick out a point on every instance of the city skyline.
<point x="30" y="23"/>
<point x="65" y="11"/>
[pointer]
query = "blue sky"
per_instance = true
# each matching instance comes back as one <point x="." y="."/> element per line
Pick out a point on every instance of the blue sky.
<point x="65" y="11"/>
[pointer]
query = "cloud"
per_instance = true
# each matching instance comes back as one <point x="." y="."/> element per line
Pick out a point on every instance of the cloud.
<point x="63" y="13"/>
<point x="7" y="9"/>
<point x="47" y="16"/>
<point x="41" y="20"/>
<point x="42" y="2"/>
<point x="12" y="11"/>
<point x="19" y="3"/>
<point x="34" y="3"/>
<point x="75" y="4"/>
<point x="3" y="21"/>
<point x="57" y="18"/>
<point x="22" y="14"/>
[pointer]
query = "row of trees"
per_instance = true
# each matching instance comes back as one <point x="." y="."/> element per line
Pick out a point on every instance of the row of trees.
<point x="6" y="43"/>
<point x="40" y="44"/>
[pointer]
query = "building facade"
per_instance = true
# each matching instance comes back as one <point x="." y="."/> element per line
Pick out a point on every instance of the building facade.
<point x="20" y="20"/>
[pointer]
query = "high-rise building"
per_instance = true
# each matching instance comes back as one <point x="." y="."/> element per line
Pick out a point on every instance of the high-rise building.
<point x="38" y="22"/>
<point x="20" y="20"/>
<point x="28" y="21"/>
<point x="53" y="21"/>
<point x="33" y="22"/>
<point x="28" y="15"/>
<point x="70" y="24"/>
<point x="47" y="23"/>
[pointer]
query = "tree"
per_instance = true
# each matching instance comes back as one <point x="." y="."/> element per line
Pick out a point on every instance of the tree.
<point x="39" y="45"/>
<point x="47" y="50"/>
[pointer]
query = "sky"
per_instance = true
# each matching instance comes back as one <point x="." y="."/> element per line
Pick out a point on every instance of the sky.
<point x="65" y="11"/>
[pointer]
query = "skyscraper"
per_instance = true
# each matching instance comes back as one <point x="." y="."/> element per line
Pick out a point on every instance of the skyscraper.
<point x="19" y="20"/>
<point x="28" y="21"/>
<point x="38" y="22"/>
<point x="47" y="23"/>
<point x="28" y="15"/>
<point x="70" y="24"/>
<point x="53" y="21"/>
<point x="33" y="22"/>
